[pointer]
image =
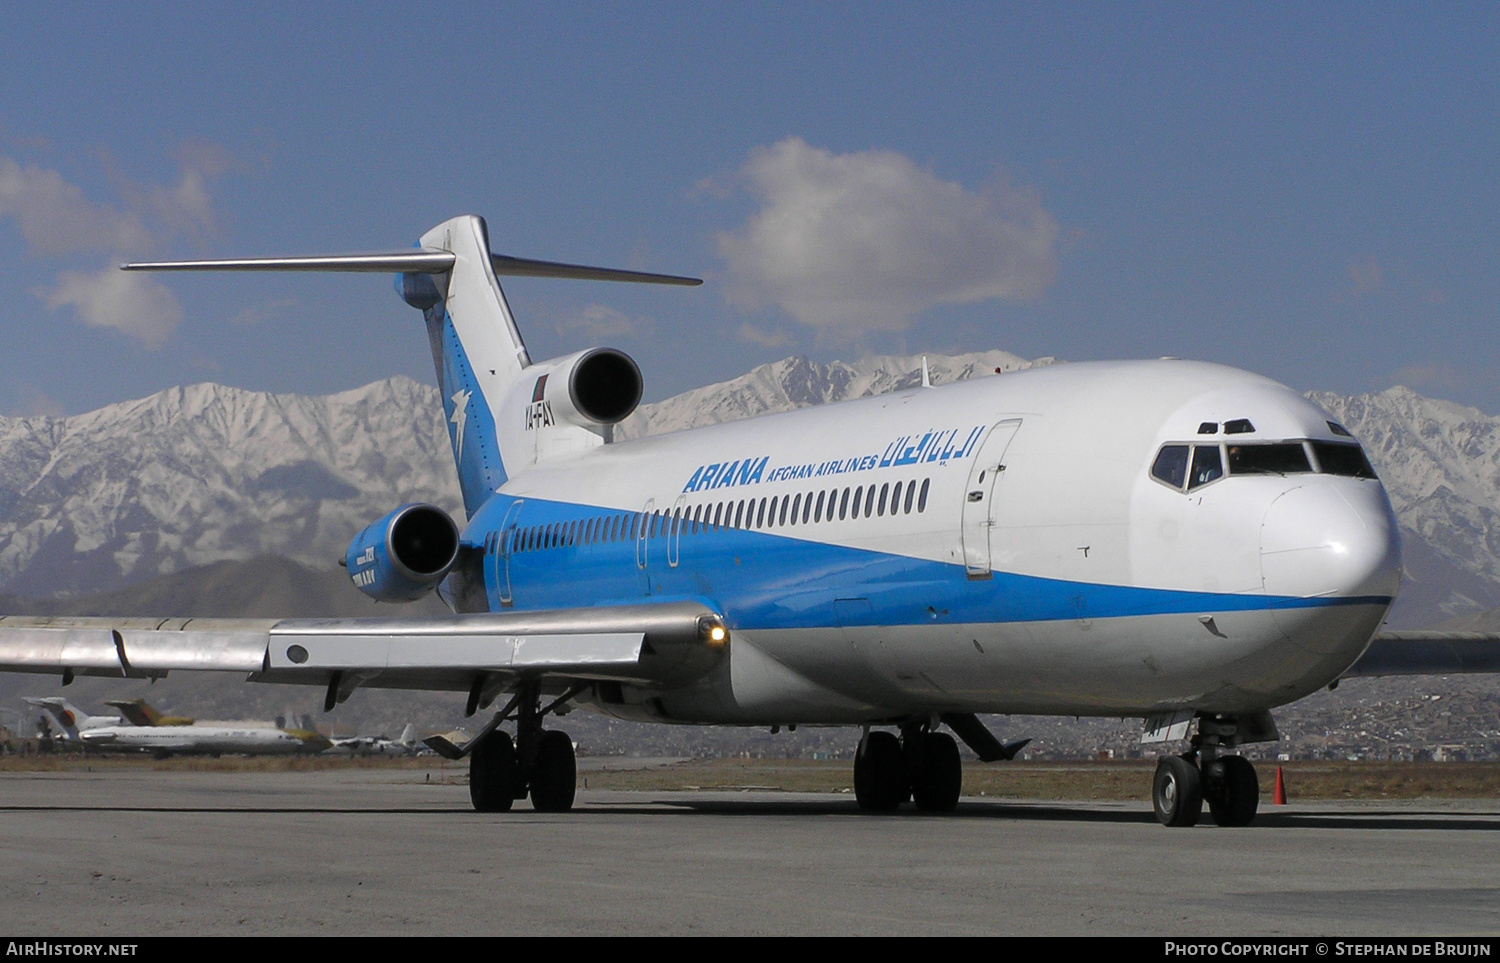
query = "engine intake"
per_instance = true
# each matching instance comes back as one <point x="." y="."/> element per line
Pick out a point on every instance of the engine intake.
<point x="606" y="386"/>
<point x="404" y="555"/>
<point x="600" y="386"/>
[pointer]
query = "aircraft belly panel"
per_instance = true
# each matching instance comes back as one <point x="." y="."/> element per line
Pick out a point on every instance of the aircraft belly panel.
<point x="1239" y="662"/>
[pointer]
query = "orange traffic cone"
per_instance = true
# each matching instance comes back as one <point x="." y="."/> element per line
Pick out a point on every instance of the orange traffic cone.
<point x="1278" y="798"/>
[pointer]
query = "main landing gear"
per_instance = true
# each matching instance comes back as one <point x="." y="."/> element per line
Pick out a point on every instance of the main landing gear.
<point x="921" y="765"/>
<point x="540" y="762"/>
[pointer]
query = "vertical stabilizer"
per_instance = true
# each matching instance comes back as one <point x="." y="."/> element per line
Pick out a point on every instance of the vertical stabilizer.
<point x="476" y="349"/>
<point x="68" y="718"/>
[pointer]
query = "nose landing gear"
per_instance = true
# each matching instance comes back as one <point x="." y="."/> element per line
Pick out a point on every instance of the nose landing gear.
<point x="1227" y="783"/>
<point x="1177" y="792"/>
<point x="1231" y="790"/>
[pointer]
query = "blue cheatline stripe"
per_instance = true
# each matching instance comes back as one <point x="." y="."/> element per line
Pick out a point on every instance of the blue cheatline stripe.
<point x="466" y="411"/>
<point x="763" y="580"/>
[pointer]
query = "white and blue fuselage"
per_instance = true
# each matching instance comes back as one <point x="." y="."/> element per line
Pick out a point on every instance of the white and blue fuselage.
<point x="1019" y="543"/>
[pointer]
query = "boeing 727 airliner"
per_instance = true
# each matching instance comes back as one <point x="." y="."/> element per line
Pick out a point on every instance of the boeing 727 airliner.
<point x="110" y="734"/>
<point x="1176" y="541"/>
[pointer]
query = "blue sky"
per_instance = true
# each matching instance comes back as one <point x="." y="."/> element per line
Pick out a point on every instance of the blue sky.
<point x="1307" y="191"/>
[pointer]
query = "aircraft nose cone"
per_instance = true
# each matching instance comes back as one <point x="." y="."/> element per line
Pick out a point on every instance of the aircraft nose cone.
<point x="1330" y="539"/>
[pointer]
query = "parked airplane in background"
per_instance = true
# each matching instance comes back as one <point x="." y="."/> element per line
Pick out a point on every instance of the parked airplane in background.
<point x="139" y="712"/>
<point x="68" y="717"/>
<point x="406" y="744"/>
<point x="1176" y="541"/>
<point x="163" y="741"/>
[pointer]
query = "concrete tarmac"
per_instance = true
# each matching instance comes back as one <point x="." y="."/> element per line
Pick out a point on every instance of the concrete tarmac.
<point x="136" y="852"/>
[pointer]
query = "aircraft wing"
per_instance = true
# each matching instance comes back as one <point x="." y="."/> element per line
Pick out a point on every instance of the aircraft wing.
<point x="1429" y="653"/>
<point x="655" y="643"/>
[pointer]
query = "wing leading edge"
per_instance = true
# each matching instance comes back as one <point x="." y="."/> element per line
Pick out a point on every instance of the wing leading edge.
<point x="1429" y="653"/>
<point x="660" y="643"/>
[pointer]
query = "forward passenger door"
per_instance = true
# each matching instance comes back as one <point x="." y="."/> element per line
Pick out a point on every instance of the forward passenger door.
<point x="979" y="497"/>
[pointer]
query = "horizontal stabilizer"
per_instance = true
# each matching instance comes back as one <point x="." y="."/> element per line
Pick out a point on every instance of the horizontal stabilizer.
<point x="412" y="261"/>
<point x="522" y="267"/>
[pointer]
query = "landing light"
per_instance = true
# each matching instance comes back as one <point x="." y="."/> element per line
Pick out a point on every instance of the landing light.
<point x="713" y="632"/>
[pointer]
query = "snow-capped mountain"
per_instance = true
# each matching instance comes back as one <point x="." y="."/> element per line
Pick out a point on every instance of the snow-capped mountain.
<point x="205" y="473"/>
<point x="800" y="383"/>
<point x="1440" y="462"/>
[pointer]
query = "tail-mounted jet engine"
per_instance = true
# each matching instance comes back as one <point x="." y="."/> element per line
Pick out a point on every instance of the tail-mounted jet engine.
<point x="591" y="389"/>
<point x="404" y="555"/>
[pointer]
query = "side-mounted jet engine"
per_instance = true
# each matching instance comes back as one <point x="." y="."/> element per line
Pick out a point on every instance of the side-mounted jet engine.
<point x="592" y="389"/>
<point x="401" y="557"/>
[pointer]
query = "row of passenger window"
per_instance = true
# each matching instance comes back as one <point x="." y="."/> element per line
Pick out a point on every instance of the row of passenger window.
<point x="1193" y="466"/>
<point x="774" y="512"/>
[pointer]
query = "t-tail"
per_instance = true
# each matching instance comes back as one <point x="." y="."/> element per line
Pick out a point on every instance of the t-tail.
<point x="504" y="413"/>
<point x="68" y="718"/>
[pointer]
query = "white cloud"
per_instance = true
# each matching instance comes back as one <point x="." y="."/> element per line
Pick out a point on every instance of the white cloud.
<point x="184" y="207"/>
<point x="55" y="217"/>
<point x="858" y="242"/>
<point x="132" y="304"/>
<point x="601" y="321"/>
<point x="759" y="336"/>
<point x="37" y="403"/>
<point x="1431" y="375"/>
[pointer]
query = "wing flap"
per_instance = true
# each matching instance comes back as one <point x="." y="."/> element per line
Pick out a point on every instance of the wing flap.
<point x="51" y="645"/>
<point x="361" y="649"/>
<point x="131" y="647"/>
<point x="211" y="645"/>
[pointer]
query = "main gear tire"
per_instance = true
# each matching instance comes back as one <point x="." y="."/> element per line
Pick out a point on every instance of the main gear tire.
<point x="554" y="783"/>
<point x="1177" y="792"/>
<point x="939" y="778"/>
<point x="493" y="773"/>
<point x="880" y="782"/>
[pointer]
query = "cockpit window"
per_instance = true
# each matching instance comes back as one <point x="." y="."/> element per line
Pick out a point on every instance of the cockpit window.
<point x="1285" y="458"/>
<point x="1171" y="465"/>
<point x="1337" y="459"/>
<point x="1206" y="466"/>
<point x="1198" y="464"/>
